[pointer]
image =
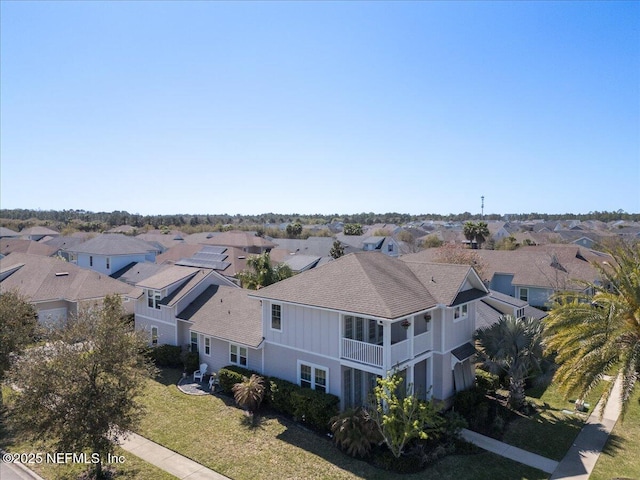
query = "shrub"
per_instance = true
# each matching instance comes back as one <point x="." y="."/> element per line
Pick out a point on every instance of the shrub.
<point x="166" y="356"/>
<point x="487" y="382"/>
<point x="314" y="408"/>
<point x="279" y="395"/>
<point x="191" y="361"/>
<point x="466" y="401"/>
<point x="354" y="432"/>
<point x="228" y="378"/>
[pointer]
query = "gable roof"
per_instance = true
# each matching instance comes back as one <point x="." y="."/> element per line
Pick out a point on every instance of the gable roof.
<point x="46" y="278"/>
<point x="233" y="238"/>
<point x="168" y="277"/>
<point x="113" y="244"/>
<point x="370" y="284"/>
<point x="136" y="272"/>
<point x="21" y="245"/>
<point x="39" y="230"/>
<point x="226" y="313"/>
<point x="7" y="232"/>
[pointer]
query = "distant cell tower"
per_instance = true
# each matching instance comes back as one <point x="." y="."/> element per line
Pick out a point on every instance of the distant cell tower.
<point x="482" y="207"/>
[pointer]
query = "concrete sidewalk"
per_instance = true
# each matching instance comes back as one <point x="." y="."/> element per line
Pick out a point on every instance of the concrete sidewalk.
<point x="514" y="453"/>
<point x="579" y="461"/>
<point x="167" y="460"/>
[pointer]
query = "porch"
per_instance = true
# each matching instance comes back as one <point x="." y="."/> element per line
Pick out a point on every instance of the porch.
<point x="374" y="354"/>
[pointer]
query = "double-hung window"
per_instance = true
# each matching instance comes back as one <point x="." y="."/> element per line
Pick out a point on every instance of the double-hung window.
<point x="524" y="294"/>
<point x="276" y="317"/>
<point x="207" y="345"/>
<point x="154" y="336"/>
<point x="194" y="342"/>
<point x="238" y="355"/>
<point x="313" y="377"/>
<point x="460" y="312"/>
<point x="153" y="299"/>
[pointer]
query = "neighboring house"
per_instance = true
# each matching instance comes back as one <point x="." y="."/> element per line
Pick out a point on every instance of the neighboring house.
<point x="38" y="233"/>
<point x="126" y="229"/>
<point x="496" y="305"/>
<point x="367" y="243"/>
<point x="8" y="233"/>
<point x="135" y="273"/>
<point x="312" y="246"/>
<point x="164" y="295"/>
<point x="165" y="239"/>
<point x="248" y="242"/>
<point x="337" y="327"/>
<point x="62" y="243"/>
<point x="19" y="245"/>
<point x="227" y="261"/>
<point x="110" y="252"/>
<point x="533" y="274"/>
<point x="56" y="288"/>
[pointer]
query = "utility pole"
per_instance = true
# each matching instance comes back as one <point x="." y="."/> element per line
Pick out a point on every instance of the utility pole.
<point x="482" y="208"/>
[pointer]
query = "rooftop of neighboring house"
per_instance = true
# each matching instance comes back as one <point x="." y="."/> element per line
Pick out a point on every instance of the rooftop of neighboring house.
<point x="545" y="266"/>
<point x="20" y="245"/>
<point x="233" y="238"/>
<point x="376" y="285"/>
<point x="39" y="231"/>
<point x="226" y="313"/>
<point x="314" y="246"/>
<point x="228" y="261"/>
<point x="8" y="233"/>
<point x="63" y="242"/>
<point x="47" y="279"/>
<point x="166" y="240"/>
<point x="137" y="272"/>
<point x="496" y="305"/>
<point x="113" y="244"/>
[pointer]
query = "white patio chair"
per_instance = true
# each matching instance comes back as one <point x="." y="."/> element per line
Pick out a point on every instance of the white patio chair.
<point x="198" y="374"/>
<point x="213" y="382"/>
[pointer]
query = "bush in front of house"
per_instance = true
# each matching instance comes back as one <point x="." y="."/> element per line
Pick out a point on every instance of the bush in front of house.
<point x="191" y="361"/>
<point x="487" y="382"/>
<point x="166" y="356"/>
<point x="311" y="407"/>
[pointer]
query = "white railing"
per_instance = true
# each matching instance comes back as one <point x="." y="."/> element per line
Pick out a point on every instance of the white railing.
<point x="362" y="352"/>
<point x="422" y="343"/>
<point x="400" y="352"/>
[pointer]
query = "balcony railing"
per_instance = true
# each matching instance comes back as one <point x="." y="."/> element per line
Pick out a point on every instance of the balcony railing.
<point x="372" y="354"/>
<point x="362" y="352"/>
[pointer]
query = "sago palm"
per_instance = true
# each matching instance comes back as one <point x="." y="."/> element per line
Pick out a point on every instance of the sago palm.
<point x="513" y="346"/>
<point x="597" y="333"/>
<point x="249" y="393"/>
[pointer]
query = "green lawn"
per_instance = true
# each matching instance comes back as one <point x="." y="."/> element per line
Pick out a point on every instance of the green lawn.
<point x="211" y="431"/>
<point x="550" y="432"/>
<point x="620" y="456"/>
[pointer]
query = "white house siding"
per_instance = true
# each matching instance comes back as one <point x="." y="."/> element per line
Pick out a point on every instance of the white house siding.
<point x="304" y="328"/>
<point x="166" y="331"/>
<point x="459" y="332"/>
<point x="219" y="356"/>
<point x="282" y="362"/>
<point x="100" y="262"/>
<point x="442" y="376"/>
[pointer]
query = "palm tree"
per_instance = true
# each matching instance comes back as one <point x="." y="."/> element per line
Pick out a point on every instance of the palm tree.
<point x="476" y="232"/>
<point x="513" y="346"/>
<point x="597" y="332"/>
<point x="260" y="272"/>
<point x="249" y="393"/>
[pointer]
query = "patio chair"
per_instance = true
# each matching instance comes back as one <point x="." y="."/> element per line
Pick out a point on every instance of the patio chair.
<point x="198" y="374"/>
<point x="213" y="382"/>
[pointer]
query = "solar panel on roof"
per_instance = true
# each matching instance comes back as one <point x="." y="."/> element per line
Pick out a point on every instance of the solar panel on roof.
<point x="213" y="264"/>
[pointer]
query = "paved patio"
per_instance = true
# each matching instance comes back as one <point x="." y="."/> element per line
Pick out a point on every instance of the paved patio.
<point x="191" y="387"/>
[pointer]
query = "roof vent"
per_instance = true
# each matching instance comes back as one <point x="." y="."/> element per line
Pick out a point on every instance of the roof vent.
<point x="62" y="274"/>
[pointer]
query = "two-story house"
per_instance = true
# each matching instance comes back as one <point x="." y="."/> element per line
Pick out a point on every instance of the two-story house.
<point x="161" y="298"/>
<point x="337" y="327"/>
<point x="110" y="252"/>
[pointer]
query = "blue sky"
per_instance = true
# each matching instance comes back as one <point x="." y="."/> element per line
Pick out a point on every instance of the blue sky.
<point x="320" y="107"/>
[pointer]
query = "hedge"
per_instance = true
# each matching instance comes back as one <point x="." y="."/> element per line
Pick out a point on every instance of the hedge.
<point x="310" y="407"/>
<point x="166" y="356"/>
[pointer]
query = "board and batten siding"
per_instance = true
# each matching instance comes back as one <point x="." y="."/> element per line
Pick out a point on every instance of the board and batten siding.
<point x="458" y="332"/>
<point x="309" y="329"/>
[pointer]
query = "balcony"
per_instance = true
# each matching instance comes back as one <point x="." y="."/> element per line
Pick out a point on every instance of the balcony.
<point x="372" y="354"/>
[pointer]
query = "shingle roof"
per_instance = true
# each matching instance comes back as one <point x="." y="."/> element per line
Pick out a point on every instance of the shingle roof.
<point x="113" y="244"/>
<point x="135" y="273"/>
<point x="38" y="230"/>
<point x="20" y="245"/>
<point x="47" y="278"/>
<point x="371" y="284"/>
<point x="226" y="313"/>
<point x="232" y="238"/>
<point x="168" y="277"/>
<point x="7" y="232"/>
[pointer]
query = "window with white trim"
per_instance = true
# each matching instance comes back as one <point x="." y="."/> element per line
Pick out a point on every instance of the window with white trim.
<point x="154" y="336"/>
<point x="108" y="263"/>
<point x="520" y="313"/>
<point x="276" y="317"/>
<point x="194" y="342"/>
<point x="207" y="345"/>
<point x="313" y="377"/>
<point x="238" y="355"/>
<point x="153" y="299"/>
<point x="460" y="312"/>
<point x="524" y="294"/>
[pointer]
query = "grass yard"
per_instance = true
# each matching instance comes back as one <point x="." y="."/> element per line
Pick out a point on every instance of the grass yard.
<point x="620" y="455"/>
<point x="550" y="432"/>
<point x="212" y="431"/>
<point x="132" y="467"/>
